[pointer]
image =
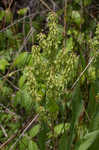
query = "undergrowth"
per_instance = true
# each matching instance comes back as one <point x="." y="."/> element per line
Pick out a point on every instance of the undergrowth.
<point x="57" y="83"/>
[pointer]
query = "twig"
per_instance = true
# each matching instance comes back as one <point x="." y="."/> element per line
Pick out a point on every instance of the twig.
<point x="30" y="20"/>
<point x="65" y="23"/>
<point x="7" y="110"/>
<point x="54" y="4"/>
<point x="42" y="1"/>
<point x="14" y="86"/>
<point x="10" y="4"/>
<point x="3" y="130"/>
<point x="25" y="130"/>
<point x="17" y="21"/>
<point x="24" y="32"/>
<point x="26" y="39"/>
<point x="8" y="141"/>
<point x="11" y="73"/>
<point x="83" y="72"/>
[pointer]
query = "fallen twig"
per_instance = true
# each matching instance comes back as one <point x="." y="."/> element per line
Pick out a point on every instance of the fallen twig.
<point x="8" y="141"/>
<point x="29" y="126"/>
<point x="3" y="130"/>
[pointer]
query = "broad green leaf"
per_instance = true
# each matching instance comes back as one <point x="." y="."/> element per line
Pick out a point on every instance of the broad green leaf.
<point x="32" y="145"/>
<point x="24" y="142"/>
<point x="9" y="35"/>
<point x="69" y="44"/>
<point x="34" y="131"/>
<point x="21" y="81"/>
<point x="3" y="64"/>
<point x="27" y="101"/>
<point x="87" y="140"/>
<point x="22" y="11"/>
<point x="60" y="128"/>
<point x="14" y="126"/>
<point x="21" y="60"/>
<point x="95" y="145"/>
<point x="6" y="91"/>
<point x="76" y="17"/>
<point x="24" y="99"/>
<point x="52" y="106"/>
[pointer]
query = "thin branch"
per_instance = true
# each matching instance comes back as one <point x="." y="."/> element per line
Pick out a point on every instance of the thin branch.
<point x="65" y="8"/>
<point x="26" y="39"/>
<point x="54" y="4"/>
<point x="14" y="86"/>
<point x="17" y="21"/>
<point x="42" y="1"/>
<point x="3" y="130"/>
<point x="11" y="73"/>
<point x="24" y="33"/>
<point x="7" y="110"/>
<point x="83" y="72"/>
<point x="8" y="141"/>
<point x="25" y="130"/>
<point x="10" y="4"/>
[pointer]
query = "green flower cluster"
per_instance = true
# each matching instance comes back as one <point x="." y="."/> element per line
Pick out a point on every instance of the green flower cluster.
<point x="52" y="68"/>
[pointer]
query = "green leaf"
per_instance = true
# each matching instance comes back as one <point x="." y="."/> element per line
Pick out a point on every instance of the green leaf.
<point x="42" y="136"/>
<point x="63" y="142"/>
<point x="77" y="105"/>
<point x="9" y="34"/>
<point x="52" y="106"/>
<point x="60" y="128"/>
<point x="95" y="145"/>
<point x="21" y="81"/>
<point x="24" y="99"/>
<point x="76" y="17"/>
<point x="92" y="101"/>
<point x="77" y="108"/>
<point x="34" y="131"/>
<point x="22" y="11"/>
<point x="32" y="145"/>
<point x="21" y="59"/>
<point x="87" y="2"/>
<point x="3" y="64"/>
<point x="6" y="91"/>
<point x="69" y="44"/>
<point x="87" y="140"/>
<point x="2" y="14"/>
<point x="24" y="142"/>
<point x="94" y="124"/>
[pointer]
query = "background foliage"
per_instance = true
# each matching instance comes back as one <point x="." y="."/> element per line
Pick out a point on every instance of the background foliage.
<point x="49" y="76"/>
